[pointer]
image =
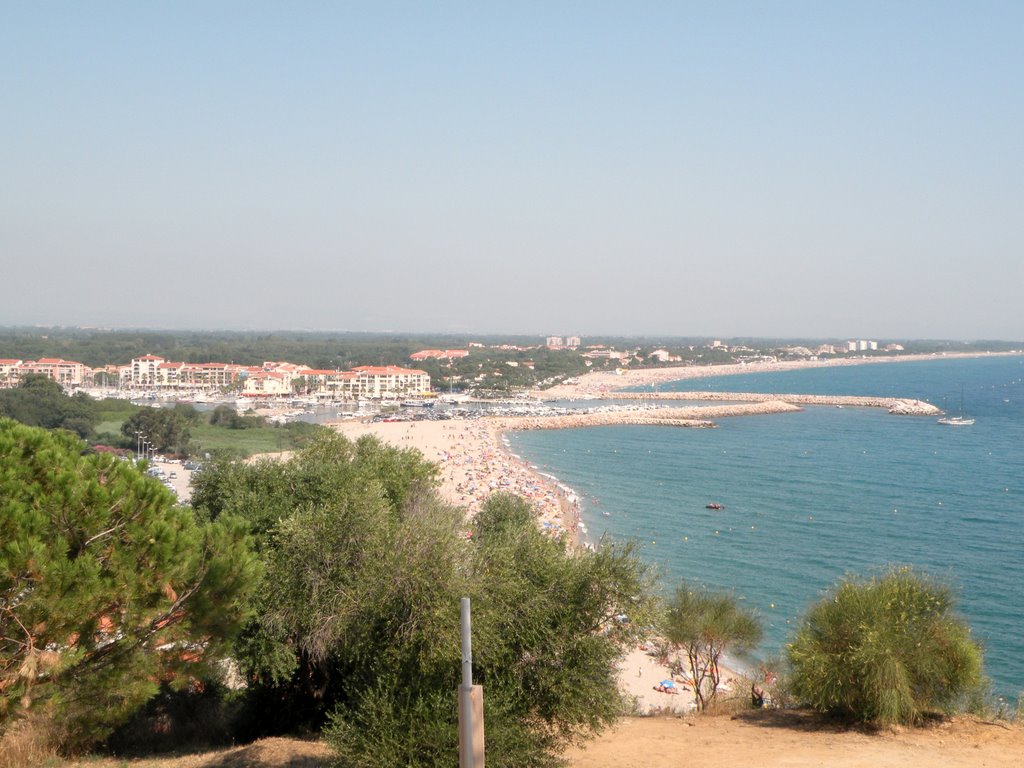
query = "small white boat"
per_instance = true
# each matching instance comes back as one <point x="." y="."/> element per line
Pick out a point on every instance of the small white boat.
<point x="956" y="421"/>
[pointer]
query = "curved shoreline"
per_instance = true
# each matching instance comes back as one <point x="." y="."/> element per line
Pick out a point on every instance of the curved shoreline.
<point x="476" y="460"/>
<point x="598" y="383"/>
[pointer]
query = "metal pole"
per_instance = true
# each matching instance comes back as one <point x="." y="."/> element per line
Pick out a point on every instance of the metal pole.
<point x="471" y="702"/>
<point x="467" y="644"/>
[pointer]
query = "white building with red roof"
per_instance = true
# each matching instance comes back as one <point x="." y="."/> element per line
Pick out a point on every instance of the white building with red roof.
<point x="439" y="354"/>
<point x="274" y="378"/>
<point x="390" y="380"/>
<point x="67" y="373"/>
<point x="267" y="384"/>
<point x="153" y="372"/>
<point x="9" y="369"/>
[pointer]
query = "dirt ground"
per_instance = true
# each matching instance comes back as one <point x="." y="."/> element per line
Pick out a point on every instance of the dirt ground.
<point x="265" y="753"/>
<point x="762" y="739"/>
<point x="795" y="740"/>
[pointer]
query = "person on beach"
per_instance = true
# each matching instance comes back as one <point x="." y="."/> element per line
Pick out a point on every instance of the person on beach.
<point x="756" y="695"/>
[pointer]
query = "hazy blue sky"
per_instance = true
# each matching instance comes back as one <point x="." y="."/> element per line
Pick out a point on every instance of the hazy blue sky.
<point x="794" y="169"/>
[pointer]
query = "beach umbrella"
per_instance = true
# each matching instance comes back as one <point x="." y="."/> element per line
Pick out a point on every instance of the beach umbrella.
<point x="668" y="683"/>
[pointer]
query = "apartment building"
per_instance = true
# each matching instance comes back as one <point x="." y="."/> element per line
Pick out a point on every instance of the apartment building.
<point x="67" y="373"/>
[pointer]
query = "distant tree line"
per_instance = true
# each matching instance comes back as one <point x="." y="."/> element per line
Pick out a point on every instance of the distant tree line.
<point x="343" y="351"/>
<point x="320" y="350"/>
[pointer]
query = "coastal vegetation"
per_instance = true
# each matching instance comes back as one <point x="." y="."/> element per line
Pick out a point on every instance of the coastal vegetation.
<point x="888" y="649"/>
<point x="704" y="625"/>
<point x="329" y="583"/>
<point x="107" y="587"/>
<point x="356" y="621"/>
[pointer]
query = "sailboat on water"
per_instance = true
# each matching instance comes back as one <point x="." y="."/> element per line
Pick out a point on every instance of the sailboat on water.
<point x="959" y="420"/>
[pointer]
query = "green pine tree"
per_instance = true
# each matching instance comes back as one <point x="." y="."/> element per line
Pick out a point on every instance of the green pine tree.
<point x="107" y="588"/>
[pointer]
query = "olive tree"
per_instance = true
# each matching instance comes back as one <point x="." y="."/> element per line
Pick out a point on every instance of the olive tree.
<point x="358" y="616"/>
<point x="886" y="649"/>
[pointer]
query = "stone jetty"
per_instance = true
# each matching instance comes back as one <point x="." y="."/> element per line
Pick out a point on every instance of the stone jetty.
<point x="699" y="416"/>
<point x="898" y="406"/>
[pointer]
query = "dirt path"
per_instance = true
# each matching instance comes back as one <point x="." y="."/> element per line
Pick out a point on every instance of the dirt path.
<point x="761" y="739"/>
<point x="793" y="740"/>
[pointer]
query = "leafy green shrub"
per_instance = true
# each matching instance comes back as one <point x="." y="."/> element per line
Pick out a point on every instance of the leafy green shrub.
<point x="358" y="615"/>
<point x="886" y="650"/>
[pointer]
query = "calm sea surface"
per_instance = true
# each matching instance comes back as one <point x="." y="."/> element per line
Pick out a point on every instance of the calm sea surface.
<point x="814" y="495"/>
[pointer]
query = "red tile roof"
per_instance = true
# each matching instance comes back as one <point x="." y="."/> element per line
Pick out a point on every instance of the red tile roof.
<point x="387" y="370"/>
<point x="440" y="353"/>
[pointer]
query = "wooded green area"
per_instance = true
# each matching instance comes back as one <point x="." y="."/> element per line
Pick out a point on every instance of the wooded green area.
<point x="38" y="401"/>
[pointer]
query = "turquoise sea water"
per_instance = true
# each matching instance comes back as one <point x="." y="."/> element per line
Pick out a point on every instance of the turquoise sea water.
<point x="813" y="495"/>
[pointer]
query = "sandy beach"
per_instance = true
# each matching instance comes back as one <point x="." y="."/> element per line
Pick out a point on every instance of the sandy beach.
<point x="600" y="383"/>
<point x="474" y="463"/>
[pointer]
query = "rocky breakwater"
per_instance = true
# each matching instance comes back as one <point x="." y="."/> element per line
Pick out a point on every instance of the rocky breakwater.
<point x="898" y="406"/>
<point x="913" y="408"/>
<point x="699" y="416"/>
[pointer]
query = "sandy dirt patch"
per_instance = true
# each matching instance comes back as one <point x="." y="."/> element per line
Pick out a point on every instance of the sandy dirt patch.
<point x="769" y="739"/>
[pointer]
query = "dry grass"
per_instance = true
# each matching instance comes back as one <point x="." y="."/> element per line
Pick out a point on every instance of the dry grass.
<point x="29" y="743"/>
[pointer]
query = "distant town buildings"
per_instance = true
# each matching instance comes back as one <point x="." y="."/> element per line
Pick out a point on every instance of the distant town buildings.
<point x="273" y="378"/>
<point x="557" y="342"/>
<point x="439" y="354"/>
<point x="373" y="381"/>
<point x="9" y="371"/>
<point x="67" y="373"/>
<point x="152" y="372"/>
<point x="664" y="356"/>
<point x="862" y="345"/>
<point x="801" y="351"/>
<point x="604" y="353"/>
